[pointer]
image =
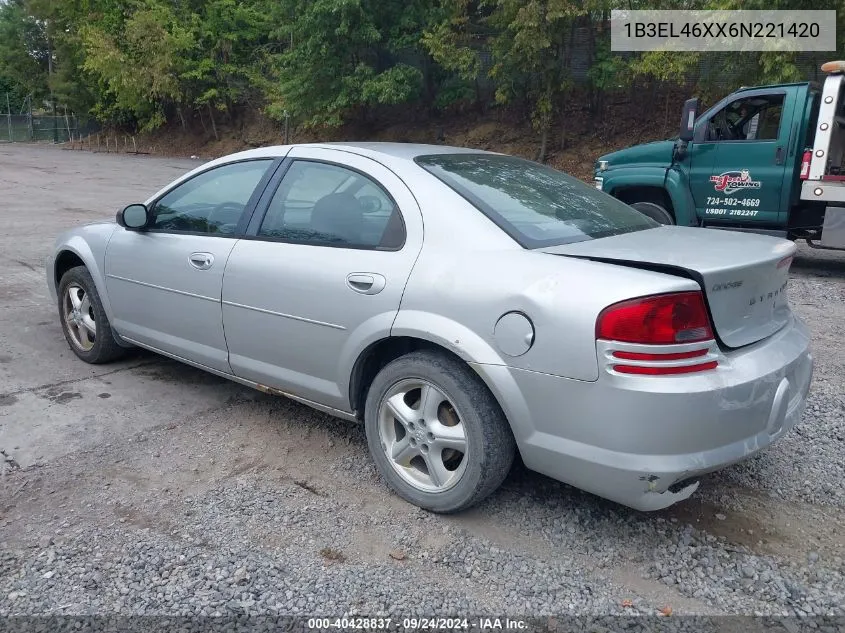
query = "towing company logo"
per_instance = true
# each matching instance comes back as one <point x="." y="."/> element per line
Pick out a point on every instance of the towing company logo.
<point x="731" y="181"/>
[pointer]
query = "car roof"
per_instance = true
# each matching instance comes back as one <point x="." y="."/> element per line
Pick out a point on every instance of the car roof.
<point x="405" y="151"/>
<point x="381" y="152"/>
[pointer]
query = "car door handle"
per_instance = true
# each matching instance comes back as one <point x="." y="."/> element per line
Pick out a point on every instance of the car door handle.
<point x="779" y="156"/>
<point x="366" y="283"/>
<point x="201" y="261"/>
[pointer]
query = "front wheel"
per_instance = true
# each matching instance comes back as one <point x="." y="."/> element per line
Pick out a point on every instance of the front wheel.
<point x="656" y="212"/>
<point x="84" y="320"/>
<point x="436" y="433"/>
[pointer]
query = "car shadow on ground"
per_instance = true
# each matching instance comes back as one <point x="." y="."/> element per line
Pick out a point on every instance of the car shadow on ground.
<point x="819" y="263"/>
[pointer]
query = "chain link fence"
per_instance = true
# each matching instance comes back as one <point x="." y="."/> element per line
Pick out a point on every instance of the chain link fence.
<point x="34" y="128"/>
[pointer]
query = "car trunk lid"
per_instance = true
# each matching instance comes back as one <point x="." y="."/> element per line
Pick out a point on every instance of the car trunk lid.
<point x="743" y="275"/>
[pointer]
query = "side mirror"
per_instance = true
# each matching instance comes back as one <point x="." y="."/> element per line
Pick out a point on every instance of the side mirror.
<point x="134" y="217"/>
<point x="690" y="112"/>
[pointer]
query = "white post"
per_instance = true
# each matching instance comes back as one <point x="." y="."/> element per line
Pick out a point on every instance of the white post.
<point x="9" y="116"/>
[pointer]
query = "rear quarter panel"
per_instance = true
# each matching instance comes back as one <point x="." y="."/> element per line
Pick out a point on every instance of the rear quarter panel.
<point x="470" y="273"/>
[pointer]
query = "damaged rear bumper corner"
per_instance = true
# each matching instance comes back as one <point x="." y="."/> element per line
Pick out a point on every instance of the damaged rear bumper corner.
<point x="653" y="500"/>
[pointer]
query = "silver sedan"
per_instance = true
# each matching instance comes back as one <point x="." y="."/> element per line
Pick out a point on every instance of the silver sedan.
<point x="464" y="305"/>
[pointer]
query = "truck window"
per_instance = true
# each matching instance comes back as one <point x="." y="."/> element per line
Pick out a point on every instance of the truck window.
<point x="755" y="118"/>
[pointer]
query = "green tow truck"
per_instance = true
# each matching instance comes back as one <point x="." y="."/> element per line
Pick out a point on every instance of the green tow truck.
<point x="767" y="159"/>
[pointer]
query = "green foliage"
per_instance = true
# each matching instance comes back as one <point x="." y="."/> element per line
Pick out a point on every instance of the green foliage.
<point x="609" y="71"/>
<point x="143" y="63"/>
<point x="222" y="70"/>
<point x="341" y="58"/>
<point x="140" y="66"/>
<point x="23" y="55"/>
<point x="531" y="49"/>
<point x="449" y="40"/>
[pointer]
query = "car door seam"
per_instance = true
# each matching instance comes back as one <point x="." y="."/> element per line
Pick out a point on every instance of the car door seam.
<point x="220" y="300"/>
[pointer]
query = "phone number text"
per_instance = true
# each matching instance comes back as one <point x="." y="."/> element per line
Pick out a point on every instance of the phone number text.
<point x="734" y="202"/>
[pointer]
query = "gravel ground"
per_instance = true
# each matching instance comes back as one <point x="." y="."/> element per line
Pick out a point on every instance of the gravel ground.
<point x="241" y="503"/>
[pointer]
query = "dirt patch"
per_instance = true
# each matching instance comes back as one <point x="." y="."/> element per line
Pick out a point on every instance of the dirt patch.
<point x="178" y="373"/>
<point x="62" y="397"/>
<point x="753" y="521"/>
<point x="333" y="555"/>
<point x="8" y="400"/>
<point x="740" y="528"/>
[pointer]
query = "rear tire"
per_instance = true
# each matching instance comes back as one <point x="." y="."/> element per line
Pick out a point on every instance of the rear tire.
<point x="656" y="212"/>
<point x="436" y="433"/>
<point x="84" y="320"/>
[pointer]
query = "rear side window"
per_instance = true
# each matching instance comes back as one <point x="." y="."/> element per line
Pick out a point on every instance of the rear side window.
<point x="536" y="205"/>
<point x="328" y="205"/>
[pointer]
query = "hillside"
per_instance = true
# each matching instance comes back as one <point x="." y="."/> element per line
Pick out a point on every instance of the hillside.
<point x="574" y="150"/>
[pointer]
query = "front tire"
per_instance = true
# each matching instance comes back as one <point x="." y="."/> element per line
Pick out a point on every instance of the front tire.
<point x="436" y="433"/>
<point x="656" y="212"/>
<point x="84" y="320"/>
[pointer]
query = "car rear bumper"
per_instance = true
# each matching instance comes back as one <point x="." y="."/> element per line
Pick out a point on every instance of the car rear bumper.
<point x="642" y="440"/>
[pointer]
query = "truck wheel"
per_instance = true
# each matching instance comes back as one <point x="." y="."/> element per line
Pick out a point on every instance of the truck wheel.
<point x="654" y="211"/>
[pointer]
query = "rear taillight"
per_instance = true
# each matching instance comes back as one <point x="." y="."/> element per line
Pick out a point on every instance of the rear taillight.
<point x="656" y="320"/>
<point x="671" y="320"/>
<point x="805" y="164"/>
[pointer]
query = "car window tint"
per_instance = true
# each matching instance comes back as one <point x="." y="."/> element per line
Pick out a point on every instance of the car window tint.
<point x="536" y="205"/>
<point x="211" y="202"/>
<point x="328" y="205"/>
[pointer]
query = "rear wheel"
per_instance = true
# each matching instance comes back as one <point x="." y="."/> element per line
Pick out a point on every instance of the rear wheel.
<point x="83" y="318"/>
<point x="656" y="212"/>
<point x="436" y="434"/>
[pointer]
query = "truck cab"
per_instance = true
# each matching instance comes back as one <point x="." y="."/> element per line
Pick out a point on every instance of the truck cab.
<point x="766" y="159"/>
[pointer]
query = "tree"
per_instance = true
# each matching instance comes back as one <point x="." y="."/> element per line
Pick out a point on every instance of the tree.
<point x="23" y="55"/>
<point x="144" y="63"/>
<point x="338" y="62"/>
<point x="225" y="70"/>
<point x="139" y="66"/>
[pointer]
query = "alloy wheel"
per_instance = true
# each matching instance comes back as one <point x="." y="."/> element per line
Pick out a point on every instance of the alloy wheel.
<point x="423" y="435"/>
<point x="78" y="314"/>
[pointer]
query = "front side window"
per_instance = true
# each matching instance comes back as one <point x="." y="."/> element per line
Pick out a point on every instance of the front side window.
<point x="536" y="205"/>
<point x="329" y="205"/>
<point x="212" y="202"/>
<point x="755" y="118"/>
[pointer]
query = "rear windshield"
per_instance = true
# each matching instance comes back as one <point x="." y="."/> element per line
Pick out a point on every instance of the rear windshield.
<point x="536" y="205"/>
